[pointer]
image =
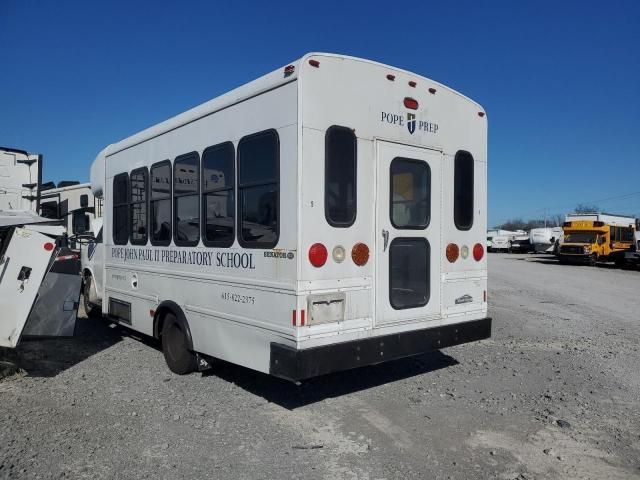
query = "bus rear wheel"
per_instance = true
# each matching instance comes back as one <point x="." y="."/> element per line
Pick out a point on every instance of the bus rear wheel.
<point x="179" y="358"/>
<point x="91" y="310"/>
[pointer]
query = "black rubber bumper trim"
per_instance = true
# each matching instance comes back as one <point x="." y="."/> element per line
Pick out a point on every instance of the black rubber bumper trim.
<point x="293" y="364"/>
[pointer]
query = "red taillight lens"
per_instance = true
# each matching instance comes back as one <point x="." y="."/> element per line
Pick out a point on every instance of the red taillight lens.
<point x="360" y="254"/>
<point x="452" y="252"/>
<point x="318" y="255"/>
<point x="48" y="246"/>
<point x="478" y="252"/>
<point x="411" y="103"/>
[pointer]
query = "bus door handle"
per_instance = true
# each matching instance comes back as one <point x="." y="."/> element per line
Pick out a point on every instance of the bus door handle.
<point x="385" y="237"/>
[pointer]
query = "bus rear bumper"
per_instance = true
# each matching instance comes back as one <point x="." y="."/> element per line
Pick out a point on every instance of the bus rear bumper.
<point x="293" y="364"/>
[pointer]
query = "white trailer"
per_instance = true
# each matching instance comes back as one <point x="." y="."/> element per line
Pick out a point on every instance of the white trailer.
<point x="544" y="239"/>
<point x="74" y="204"/>
<point x="39" y="279"/>
<point x="328" y="215"/>
<point x="20" y="178"/>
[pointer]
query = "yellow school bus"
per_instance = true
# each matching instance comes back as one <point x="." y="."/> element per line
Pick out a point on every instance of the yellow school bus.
<point x="593" y="238"/>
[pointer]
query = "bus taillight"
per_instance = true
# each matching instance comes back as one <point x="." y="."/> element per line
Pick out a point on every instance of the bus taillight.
<point x="360" y="254"/>
<point x="452" y="252"/>
<point x="318" y="255"/>
<point x="478" y="252"/>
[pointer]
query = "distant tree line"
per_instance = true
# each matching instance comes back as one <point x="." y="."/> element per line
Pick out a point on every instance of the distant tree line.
<point x="555" y="220"/>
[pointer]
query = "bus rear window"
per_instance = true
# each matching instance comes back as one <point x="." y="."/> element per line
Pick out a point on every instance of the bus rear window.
<point x="218" y="199"/>
<point x="340" y="177"/>
<point x="463" y="186"/>
<point x="258" y="190"/>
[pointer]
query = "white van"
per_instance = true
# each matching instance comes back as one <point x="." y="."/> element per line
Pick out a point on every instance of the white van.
<point x="328" y="215"/>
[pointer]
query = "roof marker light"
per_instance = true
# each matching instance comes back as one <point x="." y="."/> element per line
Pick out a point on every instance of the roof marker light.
<point x="410" y="103"/>
<point x="314" y="63"/>
<point x="288" y="70"/>
<point x="412" y="84"/>
<point x="432" y="91"/>
<point x="481" y="114"/>
<point x="391" y="77"/>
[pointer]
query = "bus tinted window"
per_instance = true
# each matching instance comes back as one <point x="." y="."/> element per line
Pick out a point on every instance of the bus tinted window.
<point x="218" y="196"/>
<point x="410" y="193"/>
<point x="409" y="272"/>
<point x="160" y="207"/>
<point x="120" y="230"/>
<point x="340" y="176"/>
<point x="139" y="185"/>
<point x="463" y="190"/>
<point x="186" y="180"/>
<point x="258" y="186"/>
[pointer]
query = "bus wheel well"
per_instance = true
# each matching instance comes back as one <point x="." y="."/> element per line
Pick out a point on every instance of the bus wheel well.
<point x="161" y="312"/>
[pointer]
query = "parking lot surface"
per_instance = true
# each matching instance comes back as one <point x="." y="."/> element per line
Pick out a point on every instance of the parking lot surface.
<point x="555" y="393"/>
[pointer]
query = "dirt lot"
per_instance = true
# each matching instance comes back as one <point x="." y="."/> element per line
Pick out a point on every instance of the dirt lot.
<point x="554" y="394"/>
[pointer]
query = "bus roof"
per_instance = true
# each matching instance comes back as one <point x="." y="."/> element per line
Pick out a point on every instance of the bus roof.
<point x="260" y="85"/>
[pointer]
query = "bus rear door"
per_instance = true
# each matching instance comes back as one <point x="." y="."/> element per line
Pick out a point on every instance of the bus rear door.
<point x="408" y="233"/>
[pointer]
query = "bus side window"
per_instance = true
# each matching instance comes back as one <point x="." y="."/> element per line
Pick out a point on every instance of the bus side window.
<point x="160" y="205"/>
<point x="258" y="190"/>
<point x="463" y="190"/>
<point x="139" y="181"/>
<point x="120" y="227"/>
<point x="186" y="199"/>
<point x="340" y="176"/>
<point x="218" y="195"/>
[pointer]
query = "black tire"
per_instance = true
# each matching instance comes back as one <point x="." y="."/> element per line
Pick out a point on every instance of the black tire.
<point x="175" y="347"/>
<point x="593" y="260"/>
<point x="91" y="310"/>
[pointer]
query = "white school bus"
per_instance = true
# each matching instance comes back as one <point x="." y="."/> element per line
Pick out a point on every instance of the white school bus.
<point x="328" y="215"/>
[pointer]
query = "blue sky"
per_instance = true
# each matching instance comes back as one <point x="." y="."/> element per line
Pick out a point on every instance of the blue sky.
<point x="560" y="80"/>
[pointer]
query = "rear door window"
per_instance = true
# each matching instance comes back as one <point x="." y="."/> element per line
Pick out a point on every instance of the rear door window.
<point x="410" y="193"/>
<point x="409" y="267"/>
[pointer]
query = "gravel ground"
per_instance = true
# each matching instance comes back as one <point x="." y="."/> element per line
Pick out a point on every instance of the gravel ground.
<point x="554" y="394"/>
